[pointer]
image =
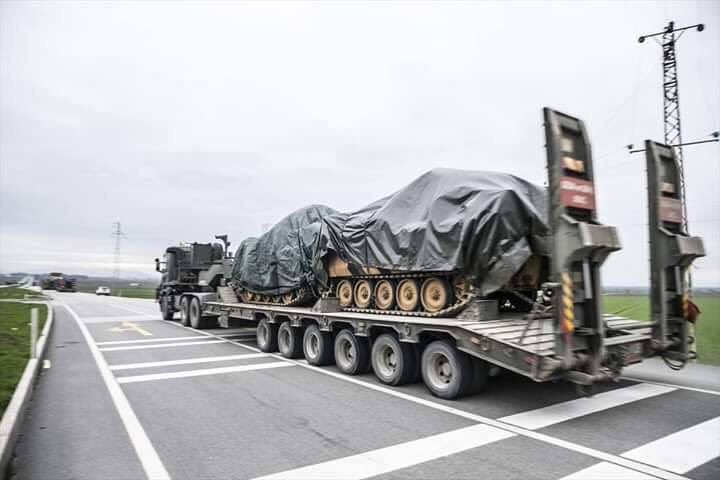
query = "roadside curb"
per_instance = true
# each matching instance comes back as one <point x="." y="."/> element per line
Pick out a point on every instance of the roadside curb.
<point x="13" y="416"/>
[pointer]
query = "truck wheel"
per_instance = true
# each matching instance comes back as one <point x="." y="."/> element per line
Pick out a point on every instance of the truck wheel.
<point x="185" y="311"/>
<point x="196" y="319"/>
<point x="166" y="307"/>
<point x="317" y="346"/>
<point x="266" y="335"/>
<point x="447" y="372"/>
<point x="352" y="353"/>
<point x="481" y="374"/>
<point x="392" y="360"/>
<point x="289" y="340"/>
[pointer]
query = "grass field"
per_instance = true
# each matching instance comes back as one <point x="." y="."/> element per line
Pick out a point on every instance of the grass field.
<point x="17" y="293"/>
<point x="15" y="344"/>
<point x="707" y="331"/>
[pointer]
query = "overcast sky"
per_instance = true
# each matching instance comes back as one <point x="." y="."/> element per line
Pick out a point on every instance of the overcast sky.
<point x="183" y="120"/>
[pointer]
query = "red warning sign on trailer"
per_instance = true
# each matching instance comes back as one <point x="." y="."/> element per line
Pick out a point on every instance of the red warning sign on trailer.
<point x="577" y="193"/>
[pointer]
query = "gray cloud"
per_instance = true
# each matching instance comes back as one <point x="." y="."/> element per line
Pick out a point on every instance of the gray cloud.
<point x="182" y="120"/>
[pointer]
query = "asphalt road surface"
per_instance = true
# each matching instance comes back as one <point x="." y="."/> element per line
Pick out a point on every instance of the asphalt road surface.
<point x="127" y="395"/>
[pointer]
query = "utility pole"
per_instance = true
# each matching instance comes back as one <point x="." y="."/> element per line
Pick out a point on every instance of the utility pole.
<point x="671" y="98"/>
<point x="671" y="104"/>
<point x="118" y="234"/>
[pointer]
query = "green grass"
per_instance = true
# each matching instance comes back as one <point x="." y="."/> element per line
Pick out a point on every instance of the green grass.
<point x="15" y="344"/>
<point x="129" y="292"/>
<point x="17" y="293"/>
<point x="707" y="331"/>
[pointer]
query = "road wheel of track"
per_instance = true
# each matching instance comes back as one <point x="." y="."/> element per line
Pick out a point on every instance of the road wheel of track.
<point x="481" y="374"/>
<point x="385" y="295"/>
<point x="407" y="295"/>
<point x="392" y="360"/>
<point x="435" y="294"/>
<point x="352" y="353"/>
<point x="195" y="313"/>
<point x="317" y="346"/>
<point x="446" y="371"/>
<point x="363" y="294"/>
<point x="246" y="296"/>
<point x="185" y="311"/>
<point x="289" y="340"/>
<point x="166" y="307"/>
<point x="344" y="293"/>
<point x="266" y="336"/>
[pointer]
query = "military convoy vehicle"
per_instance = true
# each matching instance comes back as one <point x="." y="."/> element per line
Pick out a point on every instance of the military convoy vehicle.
<point x="382" y="290"/>
<point x="58" y="282"/>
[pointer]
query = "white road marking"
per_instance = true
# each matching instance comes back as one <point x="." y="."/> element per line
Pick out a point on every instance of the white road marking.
<point x="395" y="457"/>
<point x="144" y="449"/>
<point x="679" y="452"/>
<point x="202" y="372"/>
<point x="152" y="340"/>
<point x="160" y="345"/>
<point x="607" y="471"/>
<point x="682" y="387"/>
<point x="187" y="361"/>
<point x="591" y="452"/>
<point x="561" y="412"/>
<point x="122" y="318"/>
<point x="381" y="461"/>
<point x="682" y="451"/>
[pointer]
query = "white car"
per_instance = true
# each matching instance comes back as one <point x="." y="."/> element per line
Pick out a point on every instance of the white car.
<point x="102" y="291"/>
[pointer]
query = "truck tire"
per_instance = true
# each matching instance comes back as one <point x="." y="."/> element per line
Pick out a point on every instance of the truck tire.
<point x="289" y="340"/>
<point x="481" y="374"/>
<point x="392" y="361"/>
<point x="166" y="307"/>
<point x="352" y="353"/>
<point x="266" y="335"/>
<point x="317" y="346"/>
<point x="195" y="313"/>
<point x="185" y="311"/>
<point x="446" y="371"/>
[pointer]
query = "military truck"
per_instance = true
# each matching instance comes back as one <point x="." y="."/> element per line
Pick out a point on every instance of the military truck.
<point x="59" y="282"/>
<point x="565" y="335"/>
<point x="196" y="268"/>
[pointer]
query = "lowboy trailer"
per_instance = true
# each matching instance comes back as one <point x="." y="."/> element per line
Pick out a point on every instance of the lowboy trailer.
<point x="567" y="338"/>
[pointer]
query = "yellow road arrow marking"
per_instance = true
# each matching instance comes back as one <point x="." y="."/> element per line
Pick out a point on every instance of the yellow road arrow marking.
<point x="129" y="327"/>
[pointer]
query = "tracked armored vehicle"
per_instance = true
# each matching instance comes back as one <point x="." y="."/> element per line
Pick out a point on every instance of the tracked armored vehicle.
<point x="426" y="250"/>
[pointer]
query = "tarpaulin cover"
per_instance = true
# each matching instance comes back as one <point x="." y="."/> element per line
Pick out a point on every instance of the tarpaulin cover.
<point x="484" y="225"/>
<point x="281" y="259"/>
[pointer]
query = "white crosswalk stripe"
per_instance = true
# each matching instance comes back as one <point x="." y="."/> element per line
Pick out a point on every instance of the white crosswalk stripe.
<point x="679" y="452"/>
<point x="402" y="455"/>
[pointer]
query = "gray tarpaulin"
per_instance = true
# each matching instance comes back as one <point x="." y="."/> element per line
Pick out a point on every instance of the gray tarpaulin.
<point x="482" y="224"/>
<point x="281" y="259"/>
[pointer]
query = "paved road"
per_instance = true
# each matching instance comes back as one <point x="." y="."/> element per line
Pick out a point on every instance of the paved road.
<point x="128" y="396"/>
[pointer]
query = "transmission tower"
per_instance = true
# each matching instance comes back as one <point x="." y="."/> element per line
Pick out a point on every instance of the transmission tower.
<point x="118" y="234"/>
<point x="671" y="98"/>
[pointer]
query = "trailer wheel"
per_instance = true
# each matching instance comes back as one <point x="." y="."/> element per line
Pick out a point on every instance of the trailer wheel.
<point x="195" y="313"/>
<point x="317" y="346"/>
<point x="185" y="311"/>
<point x="447" y="372"/>
<point x="166" y="308"/>
<point x="266" y="335"/>
<point x="392" y="360"/>
<point x="352" y="353"/>
<point x="289" y="340"/>
<point x="481" y="374"/>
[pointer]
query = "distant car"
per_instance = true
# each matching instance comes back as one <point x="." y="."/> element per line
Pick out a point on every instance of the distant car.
<point x="102" y="291"/>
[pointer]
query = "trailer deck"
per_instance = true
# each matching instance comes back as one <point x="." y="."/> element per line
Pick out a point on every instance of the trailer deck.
<point x="512" y="341"/>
